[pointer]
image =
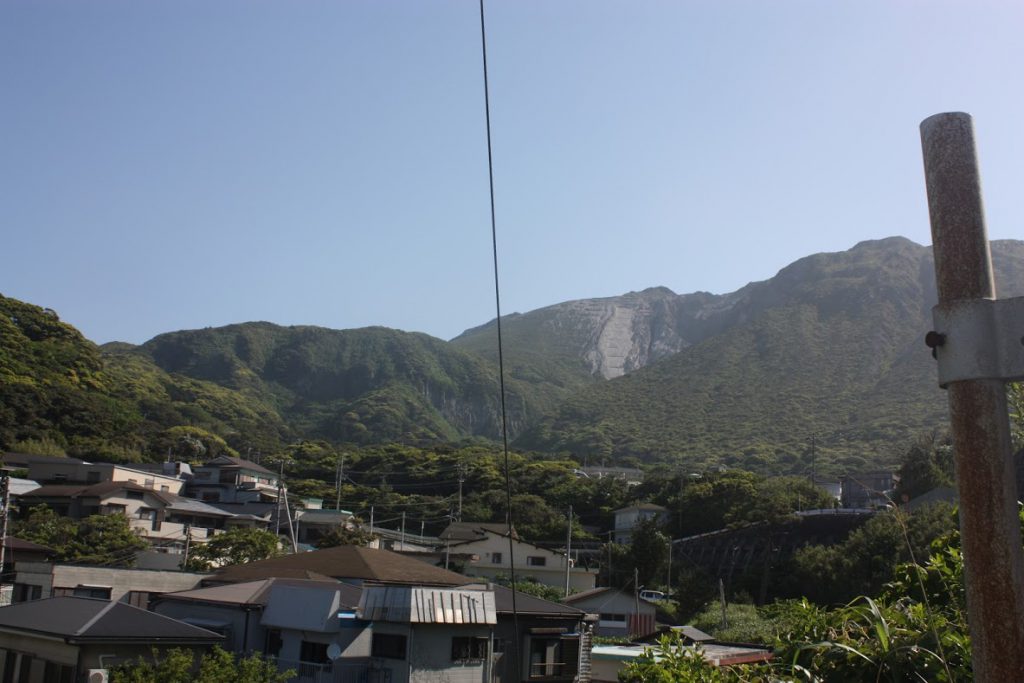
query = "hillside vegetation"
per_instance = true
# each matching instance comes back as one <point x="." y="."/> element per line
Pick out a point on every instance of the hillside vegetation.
<point x="829" y="349"/>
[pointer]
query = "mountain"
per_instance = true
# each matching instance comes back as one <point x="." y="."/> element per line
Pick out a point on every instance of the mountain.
<point x="369" y="385"/>
<point x="831" y="348"/>
<point x="59" y="391"/>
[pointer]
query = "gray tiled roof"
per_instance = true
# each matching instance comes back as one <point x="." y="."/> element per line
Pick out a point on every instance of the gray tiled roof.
<point x="87" y="619"/>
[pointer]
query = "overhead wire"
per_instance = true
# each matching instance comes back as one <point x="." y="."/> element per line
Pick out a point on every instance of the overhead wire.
<point x="501" y="359"/>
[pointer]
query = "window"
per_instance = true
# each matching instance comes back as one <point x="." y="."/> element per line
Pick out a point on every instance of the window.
<point x="496" y="558"/>
<point x="553" y="657"/>
<point x="165" y="487"/>
<point x="464" y="648"/>
<point x="612" y="619"/>
<point x="545" y="657"/>
<point x="138" y="599"/>
<point x="133" y="495"/>
<point x="274" y="642"/>
<point x="83" y="591"/>
<point x="536" y="561"/>
<point x="315" y="653"/>
<point x="92" y="477"/>
<point x="390" y="645"/>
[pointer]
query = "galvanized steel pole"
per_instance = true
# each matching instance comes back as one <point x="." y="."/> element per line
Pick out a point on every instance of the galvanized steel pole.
<point x="979" y="422"/>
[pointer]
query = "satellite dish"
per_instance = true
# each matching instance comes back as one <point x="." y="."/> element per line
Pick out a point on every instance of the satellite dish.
<point x="334" y="651"/>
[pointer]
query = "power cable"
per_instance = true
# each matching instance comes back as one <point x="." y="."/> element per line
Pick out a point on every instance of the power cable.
<point x="501" y="359"/>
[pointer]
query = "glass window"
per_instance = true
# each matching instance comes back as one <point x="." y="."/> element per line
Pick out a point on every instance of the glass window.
<point x="536" y="561"/>
<point x="274" y="642"/>
<point x="468" y="648"/>
<point x="390" y="645"/>
<point x="313" y="652"/>
<point x="496" y="558"/>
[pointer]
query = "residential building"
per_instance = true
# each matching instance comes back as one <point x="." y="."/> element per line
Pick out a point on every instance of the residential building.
<point x="620" y="613"/>
<point x="429" y="634"/>
<point x="492" y="550"/>
<point x="166" y="520"/>
<point x="39" y="580"/>
<point x="349" y="563"/>
<point x="313" y="524"/>
<point x="64" y="639"/>
<point x="74" y="471"/>
<point x="553" y="640"/>
<point x="868" y="490"/>
<point x="330" y="631"/>
<point x="225" y="479"/>
<point x="628" y="518"/>
<point x="286" y="618"/>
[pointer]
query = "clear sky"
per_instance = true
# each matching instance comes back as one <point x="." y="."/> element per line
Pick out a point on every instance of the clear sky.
<point x="179" y="164"/>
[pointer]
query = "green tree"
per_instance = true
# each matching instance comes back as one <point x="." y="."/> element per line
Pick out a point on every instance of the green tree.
<point x="345" y="535"/>
<point x="235" y="546"/>
<point x="649" y="552"/>
<point x="177" y="665"/>
<point x="107" y="540"/>
<point x="97" y="539"/>
<point x="926" y="465"/>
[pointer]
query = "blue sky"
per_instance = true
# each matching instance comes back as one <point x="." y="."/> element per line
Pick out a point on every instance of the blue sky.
<point x="181" y="164"/>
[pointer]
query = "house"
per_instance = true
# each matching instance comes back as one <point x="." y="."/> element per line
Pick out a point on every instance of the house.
<point x="233" y="480"/>
<point x="539" y="640"/>
<point x="166" y="520"/>
<point x="327" y="630"/>
<point x="17" y="550"/>
<point x="313" y="524"/>
<point x="291" y="619"/>
<point x="349" y="563"/>
<point x="620" y="613"/>
<point x="64" y="639"/>
<point x="628" y="518"/>
<point x="40" y="580"/>
<point x="868" y="490"/>
<point x="490" y="545"/>
<point x="74" y="471"/>
<point x="429" y="634"/>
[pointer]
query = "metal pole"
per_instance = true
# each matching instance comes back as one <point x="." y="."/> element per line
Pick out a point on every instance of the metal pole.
<point x="5" y="504"/>
<point x="979" y="422"/>
<point x="568" y="550"/>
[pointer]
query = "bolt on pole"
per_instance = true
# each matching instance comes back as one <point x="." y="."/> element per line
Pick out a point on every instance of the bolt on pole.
<point x="979" y="419"/>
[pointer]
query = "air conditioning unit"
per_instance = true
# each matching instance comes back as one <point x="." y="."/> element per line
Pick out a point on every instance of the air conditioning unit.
<point x="98" y="676"/>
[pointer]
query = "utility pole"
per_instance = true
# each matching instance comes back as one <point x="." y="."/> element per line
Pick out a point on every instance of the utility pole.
<point x="977" y="343"/>
<point x="568" y="550"/>
<point x="188" y="545"/>
<point x="402" y="544"/>
<point x="5" y="504"/>
<point x="636" y="599"/>
<point x="462" y="478"/>
<point x="668" y="579"/>
<point x="339" y="474"/>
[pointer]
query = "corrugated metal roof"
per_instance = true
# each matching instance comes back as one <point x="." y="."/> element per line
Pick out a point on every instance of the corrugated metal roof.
<point x="427" y="605"/>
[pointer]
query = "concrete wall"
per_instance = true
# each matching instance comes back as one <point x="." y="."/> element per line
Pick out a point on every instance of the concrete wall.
<point x="552" y="573"/>
<point x="121" y="581"/>
<point x="616" y="602"/>
<point x="430" y="655"/>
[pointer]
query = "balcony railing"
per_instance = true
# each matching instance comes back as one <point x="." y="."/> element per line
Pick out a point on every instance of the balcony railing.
<point x="334" y="672"/>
